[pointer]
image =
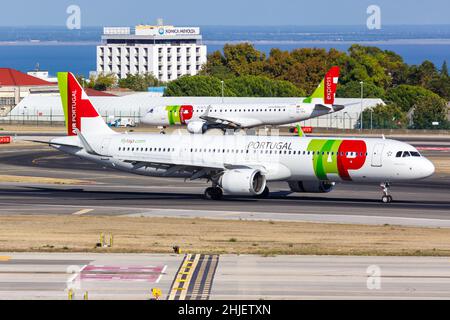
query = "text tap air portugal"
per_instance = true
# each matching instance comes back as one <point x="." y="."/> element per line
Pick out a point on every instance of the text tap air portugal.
<point x="236" y="164"/>
<point x="201" y="118"/>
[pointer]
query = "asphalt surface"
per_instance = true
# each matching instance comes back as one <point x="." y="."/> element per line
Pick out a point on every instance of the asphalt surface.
<point x="117" y="276"/>
<point x="131" y="276"/>
<point x="422" y="203"/>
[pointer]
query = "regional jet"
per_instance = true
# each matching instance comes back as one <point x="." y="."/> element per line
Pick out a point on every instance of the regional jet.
<point x="236" y="164"/>
<point x="200" y="118"/>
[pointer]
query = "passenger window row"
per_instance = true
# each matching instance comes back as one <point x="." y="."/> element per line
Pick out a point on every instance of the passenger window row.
<point x="241" y="151"/>
<point x="243" y="110"/>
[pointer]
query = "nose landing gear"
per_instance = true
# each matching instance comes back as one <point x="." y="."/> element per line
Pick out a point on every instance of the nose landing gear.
<point x="386" y="197"/>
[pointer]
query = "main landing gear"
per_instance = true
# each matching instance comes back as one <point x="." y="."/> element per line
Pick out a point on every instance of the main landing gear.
<point x="386" y="197"/>
<point x="214" y="193"/>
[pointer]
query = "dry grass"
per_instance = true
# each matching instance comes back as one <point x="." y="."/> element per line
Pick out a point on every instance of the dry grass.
<point x="158" y="235"/>
<point x="41" y="180"/>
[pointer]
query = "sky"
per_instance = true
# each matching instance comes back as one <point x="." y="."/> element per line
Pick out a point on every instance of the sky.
<point x="224" y="12"/>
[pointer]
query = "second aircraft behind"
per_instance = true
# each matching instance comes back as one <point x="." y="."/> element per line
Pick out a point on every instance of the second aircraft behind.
<point x="201" y="118"/>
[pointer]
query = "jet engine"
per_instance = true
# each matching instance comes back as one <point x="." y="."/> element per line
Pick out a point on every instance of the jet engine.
<point x="197" y="127"/>
<point x="311" y="186"/>
<point x="243" y="182"/>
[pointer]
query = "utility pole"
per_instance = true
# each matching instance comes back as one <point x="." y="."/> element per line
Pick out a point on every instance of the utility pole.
<point x="223" y="91"/>
<point x="362" y="98"/>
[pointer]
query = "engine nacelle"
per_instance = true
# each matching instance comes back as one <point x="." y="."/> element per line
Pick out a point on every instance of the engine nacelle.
<point x="243" y="182"/>
<point x="311" y="186"/>
<point x="197" y="127"/>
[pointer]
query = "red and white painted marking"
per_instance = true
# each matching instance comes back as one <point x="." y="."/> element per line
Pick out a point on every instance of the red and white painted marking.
<point x="151" y="274"/>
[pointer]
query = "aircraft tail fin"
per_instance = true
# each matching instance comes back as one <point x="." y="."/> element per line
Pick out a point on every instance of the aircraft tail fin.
<point x="326" y="91"/>
<point x="79" y="113"/>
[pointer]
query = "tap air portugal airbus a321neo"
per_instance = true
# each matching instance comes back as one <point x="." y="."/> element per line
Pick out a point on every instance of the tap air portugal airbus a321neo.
<point x="201" y="118"/>
<point x="236" y="164"/>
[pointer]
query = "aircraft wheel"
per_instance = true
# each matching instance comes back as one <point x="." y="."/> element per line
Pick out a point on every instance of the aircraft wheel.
<point x="214" y="193"/>
<point x="387" y="199"/>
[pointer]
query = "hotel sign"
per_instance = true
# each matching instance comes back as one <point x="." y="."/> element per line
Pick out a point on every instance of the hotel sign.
<point x="167" y="31"/>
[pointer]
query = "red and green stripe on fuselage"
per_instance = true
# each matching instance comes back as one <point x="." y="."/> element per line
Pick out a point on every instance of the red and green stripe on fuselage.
<point x="337" y="157"/>
<point x="179" y="114"/>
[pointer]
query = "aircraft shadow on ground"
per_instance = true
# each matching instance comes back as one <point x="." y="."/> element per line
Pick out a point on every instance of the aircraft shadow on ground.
<point x="276" y="198"/>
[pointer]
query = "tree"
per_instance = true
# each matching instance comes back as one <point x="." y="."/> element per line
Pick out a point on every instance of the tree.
<point x="384" y="117"/>
<point x="406" y="96"/>
<point x="253" y="86"/>
<point x="427" y="111"/>
<point x="197" y="86"/>
<point x="139" y="82"/>
<point x="82" y="81"/>
<point x="368" y="66"/>
<point x="217" y="66"/>
<point x="246" y="86"/>
<point x="278" y="63"/>
<point x="244" y="59"/>
<point x="353" y="90"/>
<point x="103" y="82"/>
<point x="306" y="76"/>
<point x="444" y="70"/>
<point x="441" y="86"/>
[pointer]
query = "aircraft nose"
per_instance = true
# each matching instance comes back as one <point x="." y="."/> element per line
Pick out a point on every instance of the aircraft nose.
<point x="427" y="168"/>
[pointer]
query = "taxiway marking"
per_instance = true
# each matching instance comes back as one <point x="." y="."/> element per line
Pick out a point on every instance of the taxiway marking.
<point x="81" y="212"/>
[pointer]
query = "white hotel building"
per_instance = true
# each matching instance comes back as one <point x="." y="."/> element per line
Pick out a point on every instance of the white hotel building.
<point x="165" y="51"/>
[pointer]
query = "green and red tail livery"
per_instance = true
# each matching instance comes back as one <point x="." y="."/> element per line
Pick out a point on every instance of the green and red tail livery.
<point x="75" y="102"/>
<point x="326" y="92"/>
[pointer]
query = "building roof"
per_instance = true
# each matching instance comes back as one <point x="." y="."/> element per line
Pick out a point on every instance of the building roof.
<point x="95" y="93"/>
<point x="13" y="78"/>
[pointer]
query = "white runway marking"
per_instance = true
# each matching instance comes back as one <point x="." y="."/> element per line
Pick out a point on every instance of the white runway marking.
<point x="81" y="212"/>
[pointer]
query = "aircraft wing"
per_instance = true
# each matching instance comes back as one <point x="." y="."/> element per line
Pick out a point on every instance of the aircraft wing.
<point x="49" y="143"/>
<point x="230" y="121"/>
<point x="196" y="170"/>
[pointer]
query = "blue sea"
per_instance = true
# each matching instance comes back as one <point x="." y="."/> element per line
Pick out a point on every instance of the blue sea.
<point x="56" y="49"/>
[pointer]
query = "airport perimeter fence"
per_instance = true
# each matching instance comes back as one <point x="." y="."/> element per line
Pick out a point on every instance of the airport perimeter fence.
<point x="57" y="119"/>
<point x="340" y="122"/>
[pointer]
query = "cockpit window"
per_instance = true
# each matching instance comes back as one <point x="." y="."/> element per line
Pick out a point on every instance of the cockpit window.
<point x="151" y="110"/>
<point x="406" y="154"/>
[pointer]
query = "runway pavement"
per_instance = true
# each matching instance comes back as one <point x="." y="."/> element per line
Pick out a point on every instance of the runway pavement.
<point x="423" y="203"/>
<point x="132" y="276"/>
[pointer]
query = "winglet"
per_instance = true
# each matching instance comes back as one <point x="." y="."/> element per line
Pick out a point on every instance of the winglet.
<point x="301" y="134"/>
<point x="326" y="91"/>
<point x="86" y="144"/>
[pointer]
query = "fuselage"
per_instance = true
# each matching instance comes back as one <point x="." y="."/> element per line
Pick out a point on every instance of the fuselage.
<point x="248" y="115"/>
<point x="280" y="158"/>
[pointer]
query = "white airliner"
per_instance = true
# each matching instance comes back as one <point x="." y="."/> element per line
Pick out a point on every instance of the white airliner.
<point x="201" y="118"/>
<point x="235" y="164"/>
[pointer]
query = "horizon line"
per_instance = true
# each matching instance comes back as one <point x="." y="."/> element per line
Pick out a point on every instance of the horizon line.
<point x="237" y="25"/>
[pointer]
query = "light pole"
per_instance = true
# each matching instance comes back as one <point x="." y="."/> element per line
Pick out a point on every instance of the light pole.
<point x="371" y="119"/>
<point x="223" y="91"/>
<point x="362" y="97"/>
